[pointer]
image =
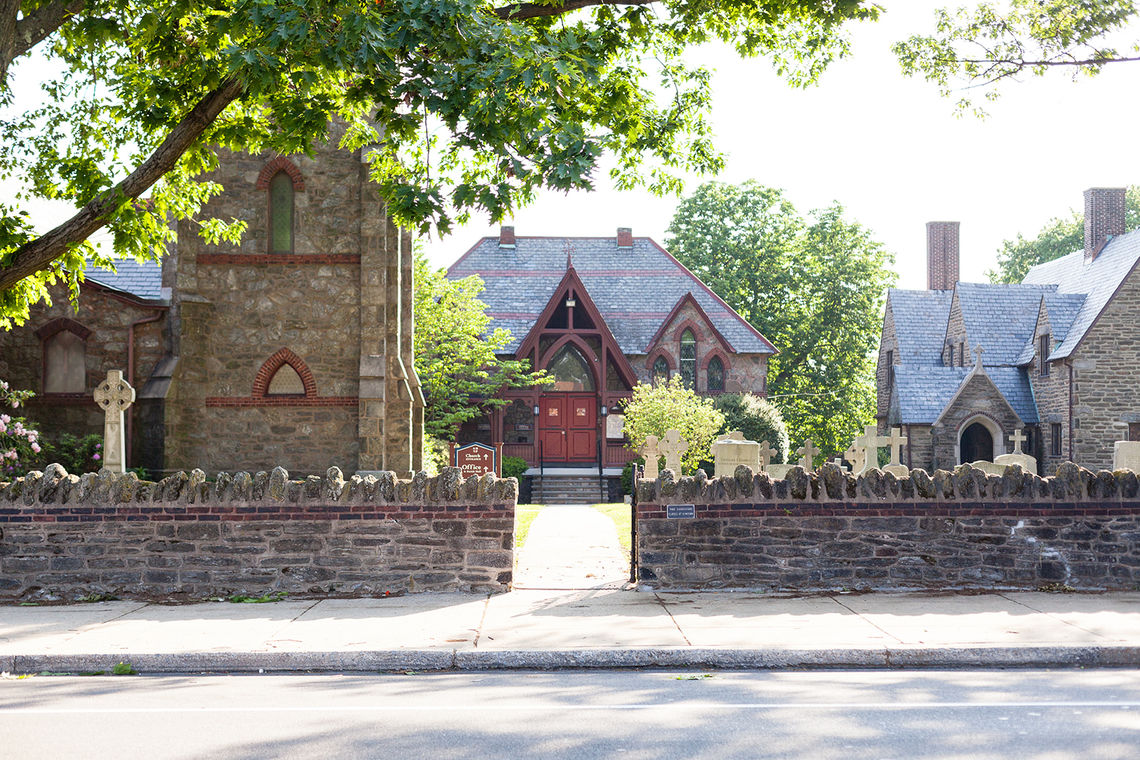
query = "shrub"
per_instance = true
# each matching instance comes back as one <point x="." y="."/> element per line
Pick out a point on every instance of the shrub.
<point x="514" y="467"/>
<point x="657" y="408"/>
<point x="19" y="443"/>
<point x="435" y="455"/>
<point x="627" y="475"/>
<point x="77" y="454"/>
<point x="757" y="419"/>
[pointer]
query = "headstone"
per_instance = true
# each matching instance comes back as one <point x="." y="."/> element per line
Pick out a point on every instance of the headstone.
<point x="1018" y="457"/>
<point x="807" y="454"/>
<point x="857" y="456"/>
<point x="895" y="441"/>
<point x="731" y="450"/>
<point x="114" y="396"/>
<point x="1126" y="455"/>
<point x="990" y="468"/>
<point x="651" y="451"/>
<point x="838" y="462"/>
<point x="673" y="446"/>
<point x="866" y="448"/>
<point x="766" y="454"/>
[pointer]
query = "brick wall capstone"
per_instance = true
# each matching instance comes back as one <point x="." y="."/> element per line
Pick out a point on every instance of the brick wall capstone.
<point x="65" y="537"/>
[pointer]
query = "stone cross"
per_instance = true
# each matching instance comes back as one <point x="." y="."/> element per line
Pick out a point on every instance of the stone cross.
<point x="115" y="395"/>
<point x="1018" y="438"/>
<point x="857" y="456"/>
<point x="807" y="454"/>
<point x="673" y="446"/>
<point x="650" y="451"/>
<point x="978" y="363"/>
<point x="868" y="444"/>
<point x="896" y="441"/>
<point x="766" y="454"/>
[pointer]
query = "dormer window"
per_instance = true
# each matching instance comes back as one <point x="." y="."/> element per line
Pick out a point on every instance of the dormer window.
<point x="281" y="213"/>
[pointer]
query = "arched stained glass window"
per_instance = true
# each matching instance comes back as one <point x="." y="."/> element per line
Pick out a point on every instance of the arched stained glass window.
<point x="281" y="213"/>
<point x="570" y="370"/>
<point x="660" y="369"/>
<point x="689" y="359"/>
<point x="715" y="373"/>
<point x="65" y="360"/>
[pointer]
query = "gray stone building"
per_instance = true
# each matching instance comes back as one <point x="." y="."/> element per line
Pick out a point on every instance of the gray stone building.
<point x="962" y="365"/>
<point x="601" y="315"/>
<point x="293" y="348"/>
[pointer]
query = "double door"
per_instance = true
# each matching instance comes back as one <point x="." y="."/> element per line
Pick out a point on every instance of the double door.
<point x="568" y="427"/>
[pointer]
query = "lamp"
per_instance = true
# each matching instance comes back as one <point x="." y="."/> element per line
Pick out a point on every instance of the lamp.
<point x="605" y="410"/>
<point x="536" y="410"/>
<point x="571" y="303"/>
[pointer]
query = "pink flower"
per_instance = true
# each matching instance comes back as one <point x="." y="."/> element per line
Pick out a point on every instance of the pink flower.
<point x="95" y="456"/>
<point x="35" y="447"/>
<point x="98" y="445"/>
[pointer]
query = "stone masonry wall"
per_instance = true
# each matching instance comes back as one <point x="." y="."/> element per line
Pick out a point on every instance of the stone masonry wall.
<point x="1106" y="376"/>
<point x="64" y="537"/>
<point x="826" y="530"/>
<point x="888" y="342"/>
<point x="1052" y="395"/>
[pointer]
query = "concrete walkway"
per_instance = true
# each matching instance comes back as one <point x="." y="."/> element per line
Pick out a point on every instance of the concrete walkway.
<point x="566" y="629"/>
<point x="571" y="547"/>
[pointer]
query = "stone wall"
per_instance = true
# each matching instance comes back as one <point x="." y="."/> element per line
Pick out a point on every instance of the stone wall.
<point x="888" y="342"/>
<point x="826" y="530"/>
<point x="1051" y="392"/>
<point x="64" y="537"/>
<point x="1106" y="373"/>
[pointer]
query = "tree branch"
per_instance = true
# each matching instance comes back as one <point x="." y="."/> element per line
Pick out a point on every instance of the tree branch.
<point x="38" y="254"/>
<point x="18" y="37"/>
<point x="1023" y="64"/>
<point x="520" y="11"/>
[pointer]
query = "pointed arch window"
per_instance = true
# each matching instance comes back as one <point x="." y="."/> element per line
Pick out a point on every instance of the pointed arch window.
<point x="281" y="213"/>
<point x="570" y="370"/>
<point x="660" y="369"/>
<point x="689" y="359"/>
<point x="715" y="372"/>
<point x="65" y="363"/>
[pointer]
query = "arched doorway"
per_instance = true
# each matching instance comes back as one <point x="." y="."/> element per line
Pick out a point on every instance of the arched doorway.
<point x="568" y="417"/>
<point x="976" y="444"/>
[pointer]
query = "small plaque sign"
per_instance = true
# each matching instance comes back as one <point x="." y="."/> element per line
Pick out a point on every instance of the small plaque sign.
<point x="680" y="511"/>
<point x="476" y="459"/>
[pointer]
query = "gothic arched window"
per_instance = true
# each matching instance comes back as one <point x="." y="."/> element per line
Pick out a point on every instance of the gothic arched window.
<point x="715" y="372"/>
<point x="689" y="359"/>
<point x="660" y="369"/>
<point x="65" y="363"/>
<point x="281" y="213"/>
<point x="570" y="370"/>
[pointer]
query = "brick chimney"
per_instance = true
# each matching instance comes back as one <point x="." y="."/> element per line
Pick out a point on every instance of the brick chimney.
<point x="507" y="237"/>
<point x="1104" y="218"/>
<point x="941" y="255"/>
<point x="625" y="237"/>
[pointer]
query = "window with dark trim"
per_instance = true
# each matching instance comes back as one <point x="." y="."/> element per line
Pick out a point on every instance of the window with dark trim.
<point x="890" y="368"/>
<point x="1043" y="355"/>
<point x="1134" y="431"/>
<point x="660" y="369"/>
<point x="689" y="359"/>
<point x="281" y="213"/>
<point x="962" y="354"/>
<point x="1055" y="439"/>
<point x="715" y="372"/>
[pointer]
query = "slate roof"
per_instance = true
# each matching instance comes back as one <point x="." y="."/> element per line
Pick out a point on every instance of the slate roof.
<point x="923" y="392"/>
<point x="1000" y="318"/>
<point x="1062" y="309"/>
<point x="142" y="280"/>
<point x="635" y="288"/>
<point x="1097" y="280"/>
<point x="920" y="323"/>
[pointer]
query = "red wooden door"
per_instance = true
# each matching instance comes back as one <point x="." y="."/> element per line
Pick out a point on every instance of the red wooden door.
<point x="582" y="428"/>
<point x="552" y="427"/>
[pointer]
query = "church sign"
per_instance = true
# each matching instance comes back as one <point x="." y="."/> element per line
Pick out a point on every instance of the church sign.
<point x="477" y="459"/>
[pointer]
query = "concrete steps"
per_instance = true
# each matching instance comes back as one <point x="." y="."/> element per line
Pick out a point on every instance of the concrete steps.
<point x="566" y="489"/>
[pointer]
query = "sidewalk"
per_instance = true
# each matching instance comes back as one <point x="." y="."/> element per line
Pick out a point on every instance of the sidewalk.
<point x="599" y="628"/>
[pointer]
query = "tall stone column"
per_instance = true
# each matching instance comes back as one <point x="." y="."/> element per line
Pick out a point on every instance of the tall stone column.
<point x="373" y="337"/>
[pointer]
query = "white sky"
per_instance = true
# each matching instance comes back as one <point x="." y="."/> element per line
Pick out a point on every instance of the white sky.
<point x="890" y="149"/>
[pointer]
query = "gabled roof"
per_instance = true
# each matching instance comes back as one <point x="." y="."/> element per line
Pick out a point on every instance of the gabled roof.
<point x="1061" y="309"/>
<point x="633" y="288"/>
<point x="687" y="298"/>
<point x="1000" y="318"/>
<point x="920" y="323"/>
<point x="140" y="280"/>
<point x="924" y="393"/>
<point x="1097" y="280"/>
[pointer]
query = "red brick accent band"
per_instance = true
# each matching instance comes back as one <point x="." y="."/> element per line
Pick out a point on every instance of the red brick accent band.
<point x="262" y="511"/>
<point x="1011" y="509"/>
<point x="278" y="258"/>
<point x="280" y="164"/>
<point x="252" y="401"/>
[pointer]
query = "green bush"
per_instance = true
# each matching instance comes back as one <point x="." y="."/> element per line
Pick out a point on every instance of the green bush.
<point x="657" y="408"/>
<point x="77" y="454"/>
<point x="757" y="419"/>
<point x="435" y="455"/>
<point x="514" y="467"/>
<point x="627" y="475"/>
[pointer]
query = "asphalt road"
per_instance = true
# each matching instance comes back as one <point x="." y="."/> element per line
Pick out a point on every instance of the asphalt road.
<point x="630" y="714"/>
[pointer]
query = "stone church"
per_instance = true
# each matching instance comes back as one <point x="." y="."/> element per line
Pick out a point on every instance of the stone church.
<point x="601" y="314"/>
<point x="962" y="365"/>
<point x="293" y="348"/>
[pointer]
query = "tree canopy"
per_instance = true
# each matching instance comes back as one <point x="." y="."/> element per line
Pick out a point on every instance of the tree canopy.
<point x="813" y="286"/>
<point x="455" y="352"/>
<point x="465" y="106"/>
<point x="981" y="47"/>
<point x="1061" y="236"/>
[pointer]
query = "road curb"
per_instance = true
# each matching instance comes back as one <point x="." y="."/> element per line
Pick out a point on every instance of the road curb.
<point x="579" y="659"/>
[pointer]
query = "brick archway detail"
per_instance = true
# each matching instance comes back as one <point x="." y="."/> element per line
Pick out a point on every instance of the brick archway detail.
<point x="280" y="164"/>
<point x="59" y="325"/>
<point x="272" y="364"/>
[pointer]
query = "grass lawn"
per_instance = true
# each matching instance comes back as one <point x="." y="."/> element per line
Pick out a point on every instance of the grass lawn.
<point x="620" y="514"/>
<point x="524" y="516"/>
